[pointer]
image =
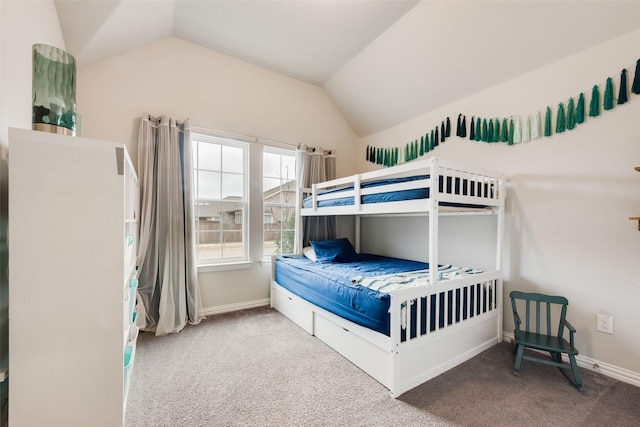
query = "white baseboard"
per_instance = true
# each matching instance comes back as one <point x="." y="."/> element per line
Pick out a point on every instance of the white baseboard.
<point x="606" y="369"/>
<point x="210" y="311"/>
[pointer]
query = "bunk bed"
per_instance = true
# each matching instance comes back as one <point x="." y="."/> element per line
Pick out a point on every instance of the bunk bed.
<point x="401" y="336"/>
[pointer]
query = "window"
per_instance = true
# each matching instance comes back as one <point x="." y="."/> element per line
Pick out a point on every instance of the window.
<point x="279" y="195"/>
<point x="220" y="181"/>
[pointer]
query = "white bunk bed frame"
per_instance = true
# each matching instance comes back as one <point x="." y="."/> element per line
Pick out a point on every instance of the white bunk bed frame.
<point x="398" y="363"/>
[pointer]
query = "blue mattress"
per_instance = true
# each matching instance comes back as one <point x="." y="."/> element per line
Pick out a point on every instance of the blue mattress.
<point x="463" y="186"/>
<point x="329" y="286"/>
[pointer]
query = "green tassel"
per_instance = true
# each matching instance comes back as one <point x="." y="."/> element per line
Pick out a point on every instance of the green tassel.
<point x="490" y="131"/>
<point x="547" y="122"/>
<point x="422" y="145"/>
<point x="580" y="109"/>
<point x="485" y="131"/>
<point x="415" y="149"/>
<point x="426" y="143"/>
<point x="504" y="131"/>
<point x="512" y="131"/>
<point x="635" y="88"/>
<point x="560" y="119"/>
<point x="594" y="105"/>
<point x="622" y="93"/>
<point x="432" y="142"/>
<point x="571" y="114"/>
<point x="406" y="153"/>
<point x="478" y="129"/>
<point x="397" y="156"/>
<point x="608" y="95"/>
<point x="472" y="129"/>
<point x="496" y="130"/>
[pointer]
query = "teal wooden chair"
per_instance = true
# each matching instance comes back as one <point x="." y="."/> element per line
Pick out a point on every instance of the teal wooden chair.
<point x="529" y="337"/>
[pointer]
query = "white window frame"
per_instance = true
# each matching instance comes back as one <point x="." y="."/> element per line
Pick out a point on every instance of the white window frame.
<point x="203" y="136"/>
<point x="292" y="205"/>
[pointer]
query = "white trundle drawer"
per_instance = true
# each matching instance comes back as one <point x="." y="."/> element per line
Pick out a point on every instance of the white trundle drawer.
<point x="367" y="356"/>
<point x="295" y="308"/>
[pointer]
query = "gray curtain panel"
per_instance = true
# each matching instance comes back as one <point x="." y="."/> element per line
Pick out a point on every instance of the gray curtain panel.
<point x="169" y="296"/>
<point x="314" y="165"/>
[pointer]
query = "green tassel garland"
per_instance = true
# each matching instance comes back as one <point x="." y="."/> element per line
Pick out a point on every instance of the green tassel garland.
<point x="512" y="131"/>
<point x="635" y="88"/>
<point x="560" y="119"/>
<point x="608" y="95"/>
<point x="594" y="105"/>
<point x="571" y="114"/>
<point x="580" y="109"/>
<point x="547" y="122"/>
<point x="622" y="93"/>
<point x="504" y="131"/>
<point x="472" y="129"/>
<point x="490" y="131"/>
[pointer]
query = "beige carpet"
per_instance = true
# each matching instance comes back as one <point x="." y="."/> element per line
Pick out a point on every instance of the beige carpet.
<point x="257" y="368"/>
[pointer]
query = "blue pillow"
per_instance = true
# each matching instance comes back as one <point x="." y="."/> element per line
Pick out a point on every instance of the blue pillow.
<point x="338" y="250"/>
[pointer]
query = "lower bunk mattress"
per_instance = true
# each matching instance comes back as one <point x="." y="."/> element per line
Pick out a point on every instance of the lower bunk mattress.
<point x="335" y="287"/>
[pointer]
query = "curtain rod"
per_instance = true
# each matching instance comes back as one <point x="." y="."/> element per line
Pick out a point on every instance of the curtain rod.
<point x="249" y="138"/>
<point x="246" y="138"/>
<point x="157" y="119"/>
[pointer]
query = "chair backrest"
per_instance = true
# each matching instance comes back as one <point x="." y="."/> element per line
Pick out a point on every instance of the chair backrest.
<point x="548" y="303"/>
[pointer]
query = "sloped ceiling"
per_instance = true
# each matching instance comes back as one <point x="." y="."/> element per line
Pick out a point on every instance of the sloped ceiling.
<point x="381" y="61"/>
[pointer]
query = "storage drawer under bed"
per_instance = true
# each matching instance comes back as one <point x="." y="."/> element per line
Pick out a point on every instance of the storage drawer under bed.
<point x="368" y="357"/>
<point x="295" y="308"/>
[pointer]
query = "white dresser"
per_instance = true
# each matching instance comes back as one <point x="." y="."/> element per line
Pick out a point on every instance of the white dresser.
<point x="72" y="279"/>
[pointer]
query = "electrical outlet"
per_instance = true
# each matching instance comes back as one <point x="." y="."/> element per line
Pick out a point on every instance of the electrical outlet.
<point x="605" y="323"/>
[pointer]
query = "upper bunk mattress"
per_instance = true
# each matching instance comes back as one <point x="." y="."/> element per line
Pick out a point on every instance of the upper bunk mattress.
<point x="330" y="286"/>
<point x="394" y="196"/>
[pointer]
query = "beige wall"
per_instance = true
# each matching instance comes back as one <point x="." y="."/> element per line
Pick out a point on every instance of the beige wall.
<point x="569" y="196"/>
<point x="22" y="24"/>
<point x="220" y="93"/>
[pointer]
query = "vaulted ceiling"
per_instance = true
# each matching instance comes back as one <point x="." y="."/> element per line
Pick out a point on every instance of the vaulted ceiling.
<point x="381" y="61"/>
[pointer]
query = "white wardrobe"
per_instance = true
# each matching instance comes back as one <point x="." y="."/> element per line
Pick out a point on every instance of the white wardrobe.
<point x="72" y="279"/>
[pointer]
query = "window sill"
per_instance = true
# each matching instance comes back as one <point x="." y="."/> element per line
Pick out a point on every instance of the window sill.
<point x="240" y="265"/>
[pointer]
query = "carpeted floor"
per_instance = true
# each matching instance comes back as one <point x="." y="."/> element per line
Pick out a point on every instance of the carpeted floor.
<point x="257" y="368"/>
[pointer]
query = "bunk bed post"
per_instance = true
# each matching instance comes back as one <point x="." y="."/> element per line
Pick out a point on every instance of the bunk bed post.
<point x="394" y="335"/>
<point x="297" y="233"/>
<point x="357" y="231"/>
<point x="500" y="235"/>
<point x="434" y="174"/>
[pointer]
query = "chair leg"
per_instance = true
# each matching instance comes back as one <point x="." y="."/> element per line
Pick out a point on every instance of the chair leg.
<point x="576" y="373"/>
<point x="518" y="361"/>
